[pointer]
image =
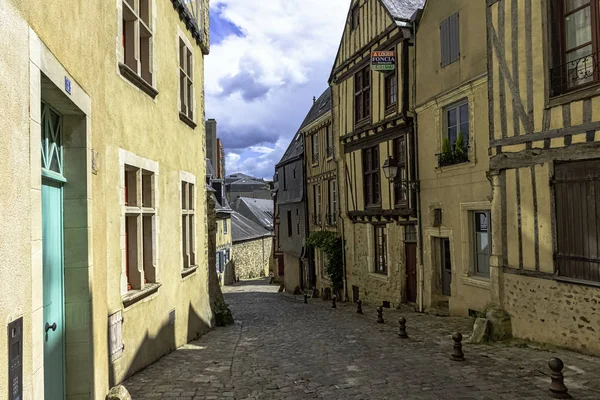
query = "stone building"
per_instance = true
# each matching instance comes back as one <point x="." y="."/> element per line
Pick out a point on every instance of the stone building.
<point x="544" y="133"/>
<point x="223" y="244"/>
<point x="321" y="179"/>
<point x="293" y="268"/>
<point x="103" y="226"/>
<point x="250" y="187"/>
<point x="375" y="127"/>
<point x="252" y="247"/>
<point x="452" y="109"/>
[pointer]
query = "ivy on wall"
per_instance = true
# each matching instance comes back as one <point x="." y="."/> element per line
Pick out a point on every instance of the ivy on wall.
<point x="331" y="245"/>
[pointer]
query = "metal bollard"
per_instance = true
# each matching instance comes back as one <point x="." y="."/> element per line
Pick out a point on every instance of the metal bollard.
<point x="380" y="316"/>
<point x="402" y="330"/>
<point x="305" y="298"/>
<point x="558" y="390"/>
<point x="457" y="353"/>
<point x="333" y="300"/>
<point x="359" y="307"/>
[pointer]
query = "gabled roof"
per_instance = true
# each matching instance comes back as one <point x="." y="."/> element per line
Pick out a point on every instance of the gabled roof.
<point x="399" y="10"/>
<point x="294" y="150"/>
<point x="320" y="107"/>
<point x="243" y="229"/>
<point x="247" y="182"/>
<point x="261" y="209"/>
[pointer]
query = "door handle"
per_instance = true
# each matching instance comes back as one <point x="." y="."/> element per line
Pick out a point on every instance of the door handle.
<point x="48" y="327"/>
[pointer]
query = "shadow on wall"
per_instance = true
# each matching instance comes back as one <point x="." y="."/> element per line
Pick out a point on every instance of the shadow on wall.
<point x="154" y="348"/>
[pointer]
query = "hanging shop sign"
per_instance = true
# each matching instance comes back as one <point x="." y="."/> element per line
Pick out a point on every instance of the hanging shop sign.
<point x="383" y="60"/>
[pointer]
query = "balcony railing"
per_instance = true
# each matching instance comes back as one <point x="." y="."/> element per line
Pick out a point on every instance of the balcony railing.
<point x="329" y="151"/>
<point x="575" y="73"/>
<point x="315" y="158"/>
<point x="454" y="156"/>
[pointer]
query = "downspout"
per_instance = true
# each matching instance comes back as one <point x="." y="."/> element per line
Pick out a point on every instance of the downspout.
<point x="305" y="202"/>
<point x="420" y="264"/>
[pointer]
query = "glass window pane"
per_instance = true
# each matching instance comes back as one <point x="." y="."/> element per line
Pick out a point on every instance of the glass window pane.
<point x="452" y="117"/>
<point x="464" y="113"/>
<point x="464" y="128"/>
<point x="578" y="28"/>
<point x="483" y="264"/>
<point x="452" y="134"/>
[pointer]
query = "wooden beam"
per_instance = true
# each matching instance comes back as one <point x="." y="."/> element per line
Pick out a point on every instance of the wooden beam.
<point x="554" y="133"/>
<point x="529" y="157"/>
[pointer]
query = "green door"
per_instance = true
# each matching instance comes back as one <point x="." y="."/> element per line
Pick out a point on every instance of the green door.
<point x="53" y="254"/>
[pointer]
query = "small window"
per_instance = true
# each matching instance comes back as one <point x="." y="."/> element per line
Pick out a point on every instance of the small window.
<point x="380" y="243"/>
<point x="450" y="40"/>
<point x="289" y="222"/>
<point x="437" y="217"/>
<point x="371" y="176"/>
<point x="137" y="37"/>
<point x="362" y="95"/>
<point x="140" y="230"/>
<point x="284" y="178"/>
<point x="225" y="226"/>
<point x="186" y="83"/>
<point x="410" y="234"/>
<point x="355" y="17"/>
<point x="332" y="213"/>
<point x="328" y="141"/>
<point x="391" y="90"/>
<point x="315" y="148"/>
<point x="481" y="242"/>
<point x="188" y="236"/>
<point x="400" y="190"/>
<point x="455" y="140"/>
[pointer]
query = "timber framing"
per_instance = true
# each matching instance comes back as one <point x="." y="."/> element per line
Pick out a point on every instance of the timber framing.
<point x="372" y="135"/>
<point x="554" y="133"/>
<point x="379" y="215"/>
<point x="529" y="157"/>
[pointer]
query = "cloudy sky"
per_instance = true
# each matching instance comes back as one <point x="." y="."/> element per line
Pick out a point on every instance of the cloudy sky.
<point x="268" y="58"/>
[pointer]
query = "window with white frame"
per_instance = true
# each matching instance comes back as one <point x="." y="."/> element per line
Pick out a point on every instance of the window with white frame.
<point x="481" y="242"/>
<point x="332" y="212"/>
<point x="137" y="37"/>
<point x="455" y="138"/>
<point x="380" y="245"/>
<point x="186" y="81"/>
<point x="188" y="223"/>
<point x="140" y="232"/>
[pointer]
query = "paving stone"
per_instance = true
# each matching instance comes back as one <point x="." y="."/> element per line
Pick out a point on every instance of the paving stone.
<point x="280" y="348"/>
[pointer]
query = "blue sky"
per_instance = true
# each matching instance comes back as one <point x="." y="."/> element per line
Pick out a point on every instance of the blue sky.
<point x="268" y="59"/>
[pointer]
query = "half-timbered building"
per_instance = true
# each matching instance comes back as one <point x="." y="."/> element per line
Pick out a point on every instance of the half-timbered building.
<point x="372" y="122"/>
<point x="544" y="101"/>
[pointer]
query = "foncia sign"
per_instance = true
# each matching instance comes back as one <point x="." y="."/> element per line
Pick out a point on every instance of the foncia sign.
<point x="383" y="60"/>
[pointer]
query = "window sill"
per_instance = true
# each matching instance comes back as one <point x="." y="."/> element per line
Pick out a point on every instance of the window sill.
<point x="187" y="120"/>
<point x="390" y="109"/>
<point x="363" y="122"/>
<point x="455" y="166"/>
<point x="134" y="296"/>
<point x="576" y="281"/>
<point x="137" y="80"/>
<point x="477" y="281"/>
<point x="329" y="158"/>
<point x="379" y="277"/>
<point x="188" y="271"/>
<point x="574" y="95"/>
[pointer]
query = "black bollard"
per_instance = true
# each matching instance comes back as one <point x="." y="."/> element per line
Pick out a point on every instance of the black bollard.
<point x="359" y="307"/>
<point x="305" y="298"/>
<point x="558" y="390"/>
<point x="380" y="316"/>
<point x="457" y="353"/>
<point x="333" y="300"/>
<point x="402" y="330"/>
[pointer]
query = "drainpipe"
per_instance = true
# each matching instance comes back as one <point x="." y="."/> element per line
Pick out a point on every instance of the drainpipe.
<point x="420" y="264"/>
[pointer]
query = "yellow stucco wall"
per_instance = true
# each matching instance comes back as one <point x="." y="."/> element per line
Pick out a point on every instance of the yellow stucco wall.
<point x="223" y="239"/>
<point x="121" y="117"/>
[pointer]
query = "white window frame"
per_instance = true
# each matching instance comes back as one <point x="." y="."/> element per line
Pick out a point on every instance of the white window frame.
<point x="131" y="9"/>
<point x="474" y="253"/>
<point x="467" y="211"/>
<point x="132" y="161"/>
<point x="188" y="246"/>
<point x="187" y="111"/>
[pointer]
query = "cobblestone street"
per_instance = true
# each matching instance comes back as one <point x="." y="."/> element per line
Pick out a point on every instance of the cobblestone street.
<point x="280" y="348"/>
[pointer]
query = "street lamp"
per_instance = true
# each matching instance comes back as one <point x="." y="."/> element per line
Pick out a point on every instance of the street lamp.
<point x="390" y="170"/>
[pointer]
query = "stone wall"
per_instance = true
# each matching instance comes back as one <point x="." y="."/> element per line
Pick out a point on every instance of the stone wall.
<point x="549" y="311"/>
<point x="252" y="258"/>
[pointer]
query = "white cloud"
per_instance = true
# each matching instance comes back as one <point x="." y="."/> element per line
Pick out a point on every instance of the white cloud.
<point x="260" y="86"/>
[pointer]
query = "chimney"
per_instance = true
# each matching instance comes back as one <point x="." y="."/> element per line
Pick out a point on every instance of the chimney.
<point x="314" y="99"/>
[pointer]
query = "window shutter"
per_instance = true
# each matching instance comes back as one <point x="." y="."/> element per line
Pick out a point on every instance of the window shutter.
<point x="449" y="40"/>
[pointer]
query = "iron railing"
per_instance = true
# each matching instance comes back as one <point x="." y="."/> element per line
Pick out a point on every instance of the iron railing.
<point x="575" y="73"/>
<point x="454" y="156"/>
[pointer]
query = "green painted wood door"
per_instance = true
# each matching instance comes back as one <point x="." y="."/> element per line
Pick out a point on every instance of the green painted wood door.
<point x="53" y="282"/>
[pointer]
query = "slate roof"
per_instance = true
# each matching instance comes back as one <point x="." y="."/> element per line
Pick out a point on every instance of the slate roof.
<point x="295" y="149"/>
<point x="261" y="209"/>
<point x="321" y="107"/>
<point x="402" y="9"/>
<point x="247" y="182"/>
<point x="244" y="229"/>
